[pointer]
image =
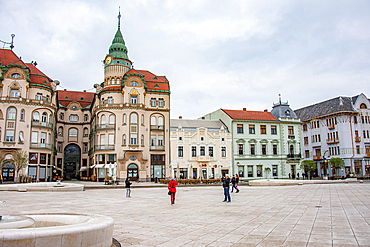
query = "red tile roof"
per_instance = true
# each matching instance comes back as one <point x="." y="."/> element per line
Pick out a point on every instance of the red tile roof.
<point x="66" y="97"/>
<point x="8" y="56"/>
<point x="153" y="82"/>
<point x="250" y="115"/>
<point x="37" y="76"/>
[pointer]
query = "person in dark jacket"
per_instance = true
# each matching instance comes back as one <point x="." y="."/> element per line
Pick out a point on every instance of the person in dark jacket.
<point x="233" y="182"/>
<point x="128" y="188"/>
<point x="236" y="183"/>
<point x="226" y="186"/>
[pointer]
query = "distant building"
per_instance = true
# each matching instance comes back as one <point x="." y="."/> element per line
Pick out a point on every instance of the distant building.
<point x="200" y="149"/>
<point x="264" y="144"/>
<point x="337" y="127"/>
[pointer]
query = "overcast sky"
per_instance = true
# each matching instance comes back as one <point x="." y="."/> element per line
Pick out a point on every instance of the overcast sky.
<point x="216" y="54"/>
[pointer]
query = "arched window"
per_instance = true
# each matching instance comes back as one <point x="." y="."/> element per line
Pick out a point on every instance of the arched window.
<point x="133" y="118"/>
<point x="160" y="121"/>
<point x="124" y="119"/>
<point x="60" y="131"/>
<point x="22" y="115"/>
<point x="11" y="113"/>
<point x="153" y="121"/>
<point x="44" y="117"/>
<point x="363" y="106"/>
<point x="61" y="116"/>
<point x="112" y="119"/>
<point x="21" y="137"/>
<point x="86" y="132"/>
<point x="73" y="132"/>
<point x="102" y="119"/>
<point x="35" y="116"/>
<point x="124" y="140"/>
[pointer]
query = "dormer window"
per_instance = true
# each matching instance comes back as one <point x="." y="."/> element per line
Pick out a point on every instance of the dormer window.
<point x="133" y="99"/>
<point x="39" y="96"/>
<point x="287" y="112"/>
<point x="14" y="93"/>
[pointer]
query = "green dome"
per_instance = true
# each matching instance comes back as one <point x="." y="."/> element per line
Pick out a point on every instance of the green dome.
<point x="118" y="48"/>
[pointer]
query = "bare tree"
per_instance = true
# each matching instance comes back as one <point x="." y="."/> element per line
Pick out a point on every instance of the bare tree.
<point x="20" y="160"/>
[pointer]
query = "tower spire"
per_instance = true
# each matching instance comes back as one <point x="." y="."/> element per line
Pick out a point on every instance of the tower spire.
<point x="119" y="17"/>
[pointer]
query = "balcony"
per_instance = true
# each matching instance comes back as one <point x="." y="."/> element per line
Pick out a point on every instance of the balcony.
<point x="317" y="157"/>
<point x="157" y="148"/>
<point x="105" y="126"/>
<point x="156" y="127"/>
<point x="294" y="156"/>
<point x="203" y="158"/>
<point x="104" y="147"/>
<point x="41" y="146"/>
<point x="332" y="141"/>
<point x="357" y="139"/>
<point x="42" y="124"/>
<point x="331" y="126"/>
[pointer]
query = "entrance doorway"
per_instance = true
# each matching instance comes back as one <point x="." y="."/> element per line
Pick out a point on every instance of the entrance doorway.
<point x="132" y="172"/>
<point x="157" y="166"/>
<point x="72" y="159"/>
<point x="8" y="172"/>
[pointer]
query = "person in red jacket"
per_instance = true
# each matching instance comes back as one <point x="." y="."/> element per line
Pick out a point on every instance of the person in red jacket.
<point x="172" y="188"/>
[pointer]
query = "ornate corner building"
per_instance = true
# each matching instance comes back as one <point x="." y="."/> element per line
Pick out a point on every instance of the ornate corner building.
<point x="121" y="130"/>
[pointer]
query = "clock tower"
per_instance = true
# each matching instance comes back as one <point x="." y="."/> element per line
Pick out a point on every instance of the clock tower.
<point x="116" y="63"/>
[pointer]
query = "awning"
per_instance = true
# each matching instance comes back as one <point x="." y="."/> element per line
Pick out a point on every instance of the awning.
<point x="99" y="165"/>
<point x="83" y="168"/>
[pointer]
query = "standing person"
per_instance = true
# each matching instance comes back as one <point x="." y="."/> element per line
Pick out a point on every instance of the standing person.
<point x="172" y="188"/>
<point x="128" y="188"/>
<point x="233" y="182"/>
<point x="226" y="185"/>
<point x="236" y="183"/>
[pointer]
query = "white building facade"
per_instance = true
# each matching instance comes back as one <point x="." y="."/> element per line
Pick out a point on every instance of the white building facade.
<point x="200" y="149"/>
<point x="339" y="128"/>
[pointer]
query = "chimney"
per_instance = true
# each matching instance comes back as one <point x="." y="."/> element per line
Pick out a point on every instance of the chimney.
<point x="266" y="110"/>
<point x="180" y="117"/>
<point x="84" y="91"/>
<point x="244" y="109"/>
<point x="65" y="89"/>
<point x="203" y="118"/>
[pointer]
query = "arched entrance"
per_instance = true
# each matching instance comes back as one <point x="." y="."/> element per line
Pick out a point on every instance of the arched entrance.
<point x="72" y="158"/>
<point x="132" y="172"/>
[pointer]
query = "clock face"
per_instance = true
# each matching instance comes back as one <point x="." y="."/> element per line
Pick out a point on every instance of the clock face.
<point x="108" y="60"/>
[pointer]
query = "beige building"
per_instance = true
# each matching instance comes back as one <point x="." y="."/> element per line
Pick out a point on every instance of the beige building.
<point x="27" y="116"/>
<point x="121" y="130"/>
<point x="200" y="149"/>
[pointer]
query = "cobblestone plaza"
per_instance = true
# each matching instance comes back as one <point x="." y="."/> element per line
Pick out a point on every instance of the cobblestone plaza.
<point x="308" y="215"/>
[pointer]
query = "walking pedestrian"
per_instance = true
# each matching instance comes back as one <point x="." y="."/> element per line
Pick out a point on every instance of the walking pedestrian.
<point x="128" y="188"/>
<point x="233" y="182"/>
<point x="226" y="186"/>
<point x="172" y="188"/>
<point x="236" y="183"/>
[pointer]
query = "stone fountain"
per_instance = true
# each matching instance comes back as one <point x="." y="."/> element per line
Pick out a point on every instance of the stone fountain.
<point x="56" y="230"/>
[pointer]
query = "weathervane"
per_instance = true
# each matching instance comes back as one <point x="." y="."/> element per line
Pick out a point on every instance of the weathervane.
<point x="9" y="43"/>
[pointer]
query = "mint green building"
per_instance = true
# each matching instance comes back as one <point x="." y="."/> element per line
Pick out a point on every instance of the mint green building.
<point x="264" y="144"/>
